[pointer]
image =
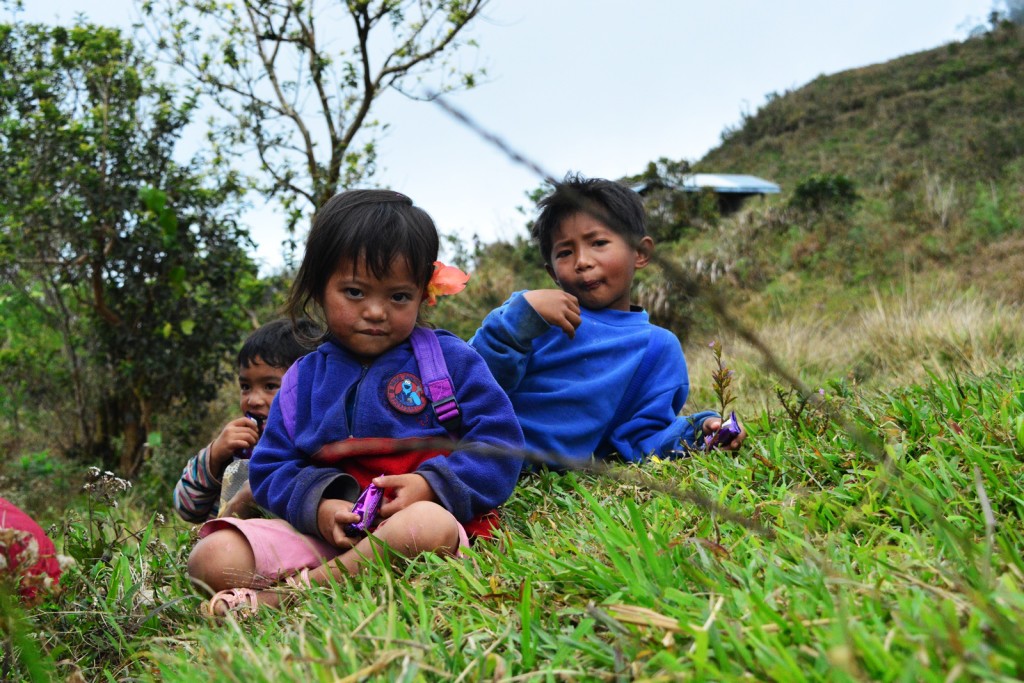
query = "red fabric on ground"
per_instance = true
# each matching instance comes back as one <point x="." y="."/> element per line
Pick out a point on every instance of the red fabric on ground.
<point x="12" y="517"/>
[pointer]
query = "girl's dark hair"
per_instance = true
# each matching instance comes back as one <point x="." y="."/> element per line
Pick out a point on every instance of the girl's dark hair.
<point x="279" y="343"/>
<point x="372" y="226"/>
<point x="612" y="203"/>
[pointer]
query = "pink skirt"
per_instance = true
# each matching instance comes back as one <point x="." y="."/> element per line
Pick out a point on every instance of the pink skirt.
<point x="281" y="550"/>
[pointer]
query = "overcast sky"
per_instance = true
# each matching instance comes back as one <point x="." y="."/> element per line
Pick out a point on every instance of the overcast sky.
<point x="603" y="87"/>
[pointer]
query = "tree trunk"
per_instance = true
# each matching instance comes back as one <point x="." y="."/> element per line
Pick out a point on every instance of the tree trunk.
<point x="135" y="430"/>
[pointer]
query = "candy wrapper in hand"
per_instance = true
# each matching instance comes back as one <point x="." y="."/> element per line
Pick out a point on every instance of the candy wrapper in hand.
<point x="367" y="506"/>
<point x="247" y="452"/>
<point x="729" y="430"/>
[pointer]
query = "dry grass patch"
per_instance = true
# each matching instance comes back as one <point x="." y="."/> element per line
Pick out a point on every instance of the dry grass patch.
<point x="895" y="339"/>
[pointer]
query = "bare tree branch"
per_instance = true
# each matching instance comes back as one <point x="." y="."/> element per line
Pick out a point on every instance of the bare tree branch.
<point x="301" y="105"/>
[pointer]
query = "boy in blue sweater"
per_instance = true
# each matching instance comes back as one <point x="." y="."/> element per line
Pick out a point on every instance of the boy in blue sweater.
<point x="587" y="373"/>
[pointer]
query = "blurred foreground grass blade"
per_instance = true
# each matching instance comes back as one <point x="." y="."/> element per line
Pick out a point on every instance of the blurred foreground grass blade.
<point x="21" y="657"/>
<point x="527" y="619"/>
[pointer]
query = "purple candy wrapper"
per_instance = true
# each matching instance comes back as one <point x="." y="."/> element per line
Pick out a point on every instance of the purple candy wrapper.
<point x="247" y="452"/>
<point x="367" y="506"/>
<point x="729" y="430"/>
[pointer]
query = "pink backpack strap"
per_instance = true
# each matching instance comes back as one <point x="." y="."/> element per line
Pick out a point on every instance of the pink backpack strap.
<point x="437" y="383"/>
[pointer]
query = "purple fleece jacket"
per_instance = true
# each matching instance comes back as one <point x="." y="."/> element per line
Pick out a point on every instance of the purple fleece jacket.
<point x="337" y="398"/>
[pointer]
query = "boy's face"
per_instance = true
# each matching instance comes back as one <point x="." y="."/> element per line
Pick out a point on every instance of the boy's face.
<point x="594" y="263"/>
<point x="258" y="385"/>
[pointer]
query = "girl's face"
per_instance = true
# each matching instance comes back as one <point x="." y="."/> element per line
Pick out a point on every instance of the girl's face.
<point x="367" y="315"/>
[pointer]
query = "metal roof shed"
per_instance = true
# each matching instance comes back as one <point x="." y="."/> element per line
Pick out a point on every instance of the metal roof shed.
<point x="724" y="182"/>
<point x="731" y="189"/>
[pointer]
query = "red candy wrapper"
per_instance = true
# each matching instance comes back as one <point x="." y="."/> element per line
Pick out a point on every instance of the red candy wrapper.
<point x="729" y="430"/>
<point x="367" y="506"/>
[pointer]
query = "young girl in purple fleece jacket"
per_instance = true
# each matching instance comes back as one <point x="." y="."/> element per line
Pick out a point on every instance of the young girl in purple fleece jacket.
<point x="355" y="411"/>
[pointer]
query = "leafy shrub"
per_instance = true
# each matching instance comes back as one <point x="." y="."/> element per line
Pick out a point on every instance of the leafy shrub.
<point x="823" y="192"/>
<point x="705" y="206"/>
<point x="991" y="214"/>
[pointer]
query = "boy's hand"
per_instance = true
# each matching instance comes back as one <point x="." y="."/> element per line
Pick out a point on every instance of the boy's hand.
<point x="238" y="434"/>
<point x="331" y="518"/>
<point x="241" y="505"/>
<point x="713" y="424"/>
<point x="404" y="489"/>
<point x="558" y="308"/>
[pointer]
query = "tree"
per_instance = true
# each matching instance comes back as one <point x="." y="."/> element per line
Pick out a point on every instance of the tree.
<point x="670" y="208"/>
<point x="1015" y="11"/>
<point x="30" y="363"/>
<point x="298" y="95"/>
<point x="131" y="258"/>
<point x="1007" y="10"/>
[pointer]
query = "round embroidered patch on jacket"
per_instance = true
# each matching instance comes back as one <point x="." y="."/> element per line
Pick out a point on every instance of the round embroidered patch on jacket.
<point x="405" y="393"/>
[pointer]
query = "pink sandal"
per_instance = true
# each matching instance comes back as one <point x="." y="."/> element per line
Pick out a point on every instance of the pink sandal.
<point x="299" y="579"/>
<point x="243" y="601"/>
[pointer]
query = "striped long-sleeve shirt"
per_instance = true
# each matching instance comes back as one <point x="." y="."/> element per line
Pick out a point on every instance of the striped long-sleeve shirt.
<point x="197" y="493"/>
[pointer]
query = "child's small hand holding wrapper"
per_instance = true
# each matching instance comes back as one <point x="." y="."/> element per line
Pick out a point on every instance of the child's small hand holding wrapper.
<point x="367" y="506"/>
<point x="725" y="435"/>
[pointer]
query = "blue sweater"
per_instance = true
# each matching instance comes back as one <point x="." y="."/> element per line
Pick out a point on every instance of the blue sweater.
<point x="335" y="398"/>
<point x="566" y="391"/>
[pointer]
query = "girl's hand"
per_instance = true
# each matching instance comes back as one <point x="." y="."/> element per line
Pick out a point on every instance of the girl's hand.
<point x="402" y="490"/>
<point x="238" y="434"/>
<point x="331" y="518"/>
<point x="713" y="424"/>
<point x="560" y="309"/>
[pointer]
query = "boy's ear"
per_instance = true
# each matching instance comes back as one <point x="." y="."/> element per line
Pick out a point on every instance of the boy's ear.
<point x="644" y="251"/>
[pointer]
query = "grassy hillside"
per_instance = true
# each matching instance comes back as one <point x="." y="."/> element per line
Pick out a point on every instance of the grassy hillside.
<point x="953" y="112"/>
<point x="884" y="550"/>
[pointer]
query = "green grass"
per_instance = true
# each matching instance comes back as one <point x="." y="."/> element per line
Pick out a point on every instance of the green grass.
<point x="888" y="550"/>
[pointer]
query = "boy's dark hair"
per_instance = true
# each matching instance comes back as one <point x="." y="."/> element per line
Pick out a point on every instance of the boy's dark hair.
<point x="373" y="225"/>
<point x="279" y="343"/>
<point x="610" y="202"/>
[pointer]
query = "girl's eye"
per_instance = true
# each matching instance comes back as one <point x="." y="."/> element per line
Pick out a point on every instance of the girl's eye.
<point x="403" y="297"/>
<point x="562" y="254"/>
<point x="600" y="243"/>
<point x="244" y="387"/>
<point x="353" y="292"/>
<point x="272" y="387"/>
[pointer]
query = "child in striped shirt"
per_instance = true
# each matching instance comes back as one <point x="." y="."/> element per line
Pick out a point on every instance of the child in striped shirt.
<point x="262" y="361"/>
